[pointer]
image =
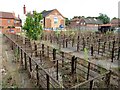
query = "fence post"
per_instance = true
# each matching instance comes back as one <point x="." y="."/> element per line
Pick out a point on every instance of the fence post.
<point x="109" y="45"/>
<point x="66" y="43"/>
<point x="50" y="38"/>
<point x="72" y="42"/>
<point x="21" y="57"/>
<point x="88" y="70"/>
<point x="75" y="64"/>
<point x="37" y="74"/>
<point x="57" y="69"/>
<point x="25" y="61"/>
<point x="35" y="50"/>
<point x="54" y="54"/>
<point x="107" y="81"/>
<point x="72" y="65"/>
<point x="47" y="51"/>
<point x="18" y="53"/>
<point x="118" y="53"/>
<point x="30" y="64"/>
<point x="47" y="77"/>
<point x="43" y="50"/>
<point x="113" y="51"/>
<point x="12" y="45"/>
<point x="103" y="50"/>
<point x="98" y="46"/>
<point x="63" y="43"/>
<point x="62" y="59"/>
<point x="83" y="44"/>
<point x="41" y="56"/>
<point x="92" y="50"/>
<point x="91" y="84"/>
<point x="78" y="43"/>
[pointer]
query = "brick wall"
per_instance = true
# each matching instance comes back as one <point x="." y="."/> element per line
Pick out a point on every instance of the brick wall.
<point x="49" y="20"/>
<point x="7" y="22"/>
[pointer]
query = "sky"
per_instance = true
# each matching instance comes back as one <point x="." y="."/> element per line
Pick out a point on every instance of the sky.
<point x="68" y="8"/>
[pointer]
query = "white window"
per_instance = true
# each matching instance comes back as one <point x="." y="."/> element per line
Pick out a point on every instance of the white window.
<point x="55" y="20"/>
<point x="8" y="21"/>
<point x="14" y="21"/>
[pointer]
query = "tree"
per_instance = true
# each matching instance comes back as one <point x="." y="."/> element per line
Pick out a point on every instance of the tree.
<point x="67" y="21"/>
<point x="114" y="18"/>
<point x="104" y="18"/>
<point x="32" y="25"/>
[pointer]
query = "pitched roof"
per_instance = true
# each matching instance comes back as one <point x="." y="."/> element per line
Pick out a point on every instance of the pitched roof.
<point x="45" y="13"/>
<point x="93" y="21"/>
<point x="7" y="15"/>
<point x="115" y="21"/>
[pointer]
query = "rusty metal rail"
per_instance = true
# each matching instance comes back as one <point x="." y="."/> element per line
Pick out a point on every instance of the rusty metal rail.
<point x="44" y="76"/>
<point x="49" y="81"/>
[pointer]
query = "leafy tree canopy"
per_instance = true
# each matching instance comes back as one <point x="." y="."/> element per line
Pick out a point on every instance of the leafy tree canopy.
<point x="32" y="25"/>
<point x="67" y="21"/>
<point x="104" y="18"/>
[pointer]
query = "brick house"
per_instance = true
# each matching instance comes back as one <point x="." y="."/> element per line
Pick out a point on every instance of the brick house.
<point x="74" y="23"/>
<point x="85" y="23"/>
<point x="52" y="20"/>
<point x="115" y="22"/>
<point x="9" y="20"/>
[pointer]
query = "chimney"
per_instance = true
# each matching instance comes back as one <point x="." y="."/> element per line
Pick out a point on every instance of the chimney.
<point x="18" y="16"/>
<point x="24" y="10"/>
<point x="13" y="13"/>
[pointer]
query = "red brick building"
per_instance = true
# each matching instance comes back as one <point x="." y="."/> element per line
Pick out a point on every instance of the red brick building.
<point x="85" y="23"/>
<point x="115" y="22"/>
<point x="53" y="19"/>
<point x="9" y="20"/>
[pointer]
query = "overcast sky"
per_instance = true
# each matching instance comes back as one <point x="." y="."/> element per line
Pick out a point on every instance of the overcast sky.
<point x="67" y="8"/>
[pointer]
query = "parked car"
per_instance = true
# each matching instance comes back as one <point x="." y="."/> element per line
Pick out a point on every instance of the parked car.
<point x="116" y="30"/>
<point x="11" y="31"/>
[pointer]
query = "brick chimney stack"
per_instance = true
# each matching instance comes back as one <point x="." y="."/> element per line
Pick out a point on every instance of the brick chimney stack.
<point x="24" y="10"/>
<point x="18" y="16"/>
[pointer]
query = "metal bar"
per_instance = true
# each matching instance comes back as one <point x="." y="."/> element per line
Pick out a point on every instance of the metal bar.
<point x="98" y="46"/>
<point x="62" y="59"/>
<point x="112" y="58"/>
<point x="78" y="43"/>
<point x="99" y="76"/>
<point x="54" y="54"/>
<point x="92" y="50"/>
<point x="35" y="50"/>
<point x="25" y="61"/>
<point x="21" y="57"/>
<point x="57" y="70"/>
<point x="72" y="64"/>
<point x="88" y="70"/>
<point x="30" y="64"/>
<point x="47" y="77"/>
<point x="37" y="74"/>
<point x="43" y="50"/>
<point x="47" y="51"/>
<point x="91" y="84"/>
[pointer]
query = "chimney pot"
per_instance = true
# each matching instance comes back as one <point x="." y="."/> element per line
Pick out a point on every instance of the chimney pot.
<point x="24" y="9"/>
